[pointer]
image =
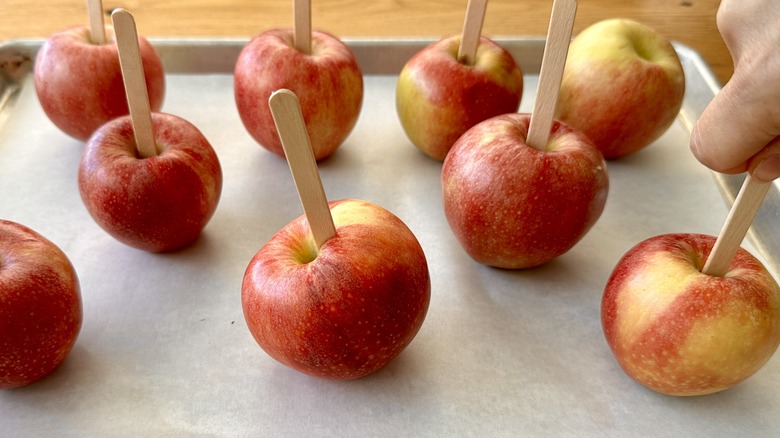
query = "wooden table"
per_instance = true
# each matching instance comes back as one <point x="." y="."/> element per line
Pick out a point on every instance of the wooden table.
<point x="691" y="22"/>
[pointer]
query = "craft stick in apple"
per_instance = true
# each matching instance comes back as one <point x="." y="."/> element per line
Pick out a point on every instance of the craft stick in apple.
<point x="78" y="79"/>
<point x="455" y="83"/>
<point x="520" y="190"/>
<point x="315" y="65"/>
<point x="688" y="314"/>
<point x="40" y="306"/>
<point x="623" y="86"/>
<point x="340" y="291"/>
<point x="151" y="180"/>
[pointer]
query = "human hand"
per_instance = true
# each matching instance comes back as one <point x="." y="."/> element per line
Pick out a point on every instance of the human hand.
<point x="740" y="129"/>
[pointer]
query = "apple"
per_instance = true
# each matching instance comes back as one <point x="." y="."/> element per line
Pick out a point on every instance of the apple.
<point x="439" y="97"/>
<point x="623" y="86"/>
<point x="40" y="306"/>
<point x="515" y="207"/>
<point x="347" y="310"/>
<point x="680" y="332"/>
<point x="79" y="83"/>
<point x="328" y="82"/>
<point x="156" y="204"/>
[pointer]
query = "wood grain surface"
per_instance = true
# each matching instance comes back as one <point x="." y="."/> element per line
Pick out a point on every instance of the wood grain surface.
<point x="691" y="22"/>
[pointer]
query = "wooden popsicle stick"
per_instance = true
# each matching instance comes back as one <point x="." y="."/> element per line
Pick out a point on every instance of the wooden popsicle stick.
<point x="302" y="25"/>
<point x="738" y="222"/>
<point x="472" y="29"/>
<point x="135" y="83"/>
<point x="96" y="23"/>
<point x="286" y="111"/>
<point x="551" y="72"/>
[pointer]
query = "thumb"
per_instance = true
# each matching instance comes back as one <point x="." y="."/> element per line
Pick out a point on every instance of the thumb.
<point x="733" y="128"/>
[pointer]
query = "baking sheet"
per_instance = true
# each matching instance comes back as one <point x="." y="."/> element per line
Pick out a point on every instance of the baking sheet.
<point x="164" y="350"/>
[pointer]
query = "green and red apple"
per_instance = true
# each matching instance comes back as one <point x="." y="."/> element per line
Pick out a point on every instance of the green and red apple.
<point x="439" y="97"/>
<point x="623" y="86"/>
<point x="513" y="206"/>
<point x="680" y="332"/>
<point x="327" y="81"/>
<point x="347" y="309"/>
<point x="40" y="306"/>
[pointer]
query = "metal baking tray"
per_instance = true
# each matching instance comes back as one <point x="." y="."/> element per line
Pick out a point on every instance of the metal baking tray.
<point x="164" y="350"/>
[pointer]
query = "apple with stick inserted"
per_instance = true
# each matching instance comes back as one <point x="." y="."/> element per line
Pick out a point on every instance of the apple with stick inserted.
<point x="455" y="83"/>
<point x="340" y="291"/>
<point x="40" y="306"/>
<point x="688" y="314"/>
<point x="151" y="180"/>
<point x="78" y="78"/>
<point x="315" y="65"/>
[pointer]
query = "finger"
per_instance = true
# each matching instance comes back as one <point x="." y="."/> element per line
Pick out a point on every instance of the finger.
<point x="765" y="165"/>
<point x="731" y="130"/>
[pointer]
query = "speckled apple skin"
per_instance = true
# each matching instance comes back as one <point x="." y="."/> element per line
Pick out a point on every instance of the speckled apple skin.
<point x="40" y="306"/>
<point x="79" y="84"/>
<point x="623" y="86"/>
<point x="515" y="207"/>
<point x="328" y="83"/>
<point x="347" y="312"/>
<point x="438" y="98"/>
<point x="680" y="332"/>
<point x="155" y="204"/>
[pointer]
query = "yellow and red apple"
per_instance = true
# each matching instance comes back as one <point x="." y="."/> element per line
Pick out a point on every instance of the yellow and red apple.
<point x="439" y="97"/>
<point x="623" y="86"/>
<point x="680" y="332"/>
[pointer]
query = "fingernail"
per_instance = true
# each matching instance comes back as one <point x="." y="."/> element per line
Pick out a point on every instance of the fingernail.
<point x="768" y="169"/>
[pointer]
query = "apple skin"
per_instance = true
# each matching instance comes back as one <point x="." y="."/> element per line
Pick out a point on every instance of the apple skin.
<point x="328" y="83"/>
<point x="623" y="86"/>
<point x="40" y="306"/>
<point x="680" y="332"/>
<point x="155" y="204"/>
<point x="438" y="98"/>
<point x="79" y="84"/>
<point x="347" y="311"/>
<point x="512" y="206"/>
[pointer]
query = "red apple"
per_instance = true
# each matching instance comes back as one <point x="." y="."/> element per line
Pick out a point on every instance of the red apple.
<point x="513" y="206"/>
<point x="623" y="86"/>
<point x="438" y="97"/>
<point x="680" y="332"/>
<point x="156" y="204"/>
<point x="79" y="83"/>
<point x="328" y="83"/>
<point x="346" y="311"/>
<point x="40" y="306"/>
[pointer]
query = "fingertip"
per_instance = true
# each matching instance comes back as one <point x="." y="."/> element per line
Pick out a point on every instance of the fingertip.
<point x="767" y="170"/>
